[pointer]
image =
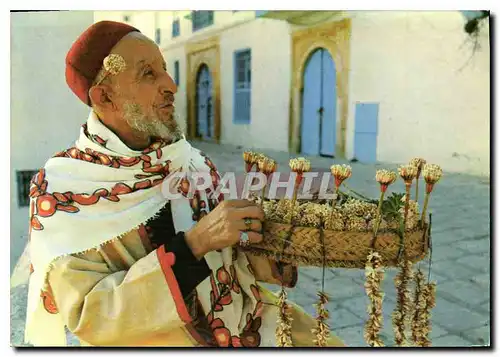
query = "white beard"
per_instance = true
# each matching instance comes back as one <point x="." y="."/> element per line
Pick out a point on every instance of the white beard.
<point x="151" y="125"/>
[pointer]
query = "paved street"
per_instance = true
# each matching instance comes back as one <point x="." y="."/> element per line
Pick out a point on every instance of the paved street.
<point x="460" y="260"/>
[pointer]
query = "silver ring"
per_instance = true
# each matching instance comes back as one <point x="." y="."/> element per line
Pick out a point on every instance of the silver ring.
<point x="248" y="223"/>
<point x="244" y="239"/>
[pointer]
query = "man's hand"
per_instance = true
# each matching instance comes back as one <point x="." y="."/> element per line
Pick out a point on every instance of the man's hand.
<point x="222" y="227"/>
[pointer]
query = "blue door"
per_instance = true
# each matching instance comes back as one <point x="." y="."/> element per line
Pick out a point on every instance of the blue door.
<point x="319" y="105"/>
<point x="204" y="105"/>
<point x="365" y="132"/>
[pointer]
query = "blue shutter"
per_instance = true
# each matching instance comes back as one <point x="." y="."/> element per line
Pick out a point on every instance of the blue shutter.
<point x="366" y="132"/>
<point x="242" y="87"/>
<point x="201" y="19"/>
<point x="175" y="28"/>
<point x="176" y="73"/>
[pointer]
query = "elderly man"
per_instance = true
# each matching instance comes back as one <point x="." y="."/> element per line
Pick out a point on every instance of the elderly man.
<point x="113" y="259"/>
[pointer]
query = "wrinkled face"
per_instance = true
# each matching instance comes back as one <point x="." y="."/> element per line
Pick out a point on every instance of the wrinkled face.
<point x="144" y="93"/>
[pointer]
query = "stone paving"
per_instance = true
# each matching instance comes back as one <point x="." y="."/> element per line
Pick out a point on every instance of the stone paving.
<point x="460" y="205"/>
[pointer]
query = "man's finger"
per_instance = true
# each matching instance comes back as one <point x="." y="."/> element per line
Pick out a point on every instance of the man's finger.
<point x="255" y="225"/>
<point x="255" y="237"/>
<point x="253" y="211"/>
<point x="239" y="203"/>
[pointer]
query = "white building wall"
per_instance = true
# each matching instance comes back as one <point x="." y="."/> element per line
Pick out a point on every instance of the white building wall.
<point x="45" y="115"/>
<point x="269" y="41"/>
<point x="410" y="62"/>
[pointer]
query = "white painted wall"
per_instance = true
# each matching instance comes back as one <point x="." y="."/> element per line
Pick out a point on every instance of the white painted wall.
<point x="45" y="115"/>
<point x="410" y="62"/>
<point x="269" y="41"/>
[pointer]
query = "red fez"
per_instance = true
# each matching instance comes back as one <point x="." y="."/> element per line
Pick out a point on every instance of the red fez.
<point x="85" y="57"/>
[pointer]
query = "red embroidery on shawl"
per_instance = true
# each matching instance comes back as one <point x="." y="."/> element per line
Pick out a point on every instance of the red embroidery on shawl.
<point x="46" y="204"/>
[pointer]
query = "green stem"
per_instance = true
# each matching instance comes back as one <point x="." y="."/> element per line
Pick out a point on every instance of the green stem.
<point x="403" y="230"/>
<point x="294" y="199"/>
<point x="334" y="204"/>
<point x="379" y="212"/>
<point x="263" y="195"/>
<point x="416" y="190"/>
<point x="426" y="202"/>
<point x="407" y="203"/>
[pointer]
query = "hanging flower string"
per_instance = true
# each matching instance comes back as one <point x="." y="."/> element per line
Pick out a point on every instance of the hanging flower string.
<point x="402" y="280"/>
<point x="401" y="315"/>
<point x="432" y="174"/>
<point x="430" y="302"/>
<point x="417" y="324"/>
<point x="384" y="178"/>
<point x="374" y="273"/>
<point x="284" y="322"/>
<point x="322" y="330"/>
<point x="418" y="163"/>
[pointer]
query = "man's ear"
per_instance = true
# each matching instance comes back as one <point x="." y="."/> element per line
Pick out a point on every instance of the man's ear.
<point x="101" y="96"/>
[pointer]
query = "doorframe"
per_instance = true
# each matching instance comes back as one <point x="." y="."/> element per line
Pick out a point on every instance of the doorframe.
<point x="197" y="54"/>
<point x="335" y="38"/>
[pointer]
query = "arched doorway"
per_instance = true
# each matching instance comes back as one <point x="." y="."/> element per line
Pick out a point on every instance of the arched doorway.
<point x="319" y="105"/>
<point x="205" y="128"/>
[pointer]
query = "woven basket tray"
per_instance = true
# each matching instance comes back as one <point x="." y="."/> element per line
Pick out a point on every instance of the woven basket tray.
<point x="343" y="249"/>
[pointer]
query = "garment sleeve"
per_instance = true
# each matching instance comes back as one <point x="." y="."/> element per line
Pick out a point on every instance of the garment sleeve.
<point x="121" y="308"/>
<point x="270" y="271"/>
<point x="188" y="271"/>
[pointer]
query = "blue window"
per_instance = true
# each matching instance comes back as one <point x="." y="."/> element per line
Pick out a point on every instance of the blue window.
<point x="176" y="73"/>
<point x="202" y="19"/>
<point x="242" y="86"/>
<point x="176" y="29"/>
<point x="158" y="36"/>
